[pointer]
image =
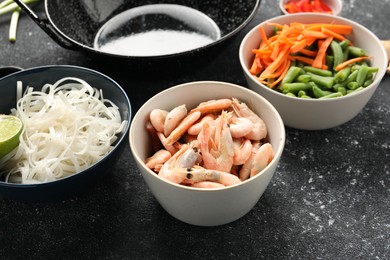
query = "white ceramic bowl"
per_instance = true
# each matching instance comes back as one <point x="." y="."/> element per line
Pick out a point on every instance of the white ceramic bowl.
<point x="205" y="207"/>
<point x="316" y="114"/>
<point x="335" y="5"/>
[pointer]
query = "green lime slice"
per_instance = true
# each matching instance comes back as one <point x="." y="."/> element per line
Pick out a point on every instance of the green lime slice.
<point x="10" y="130"/>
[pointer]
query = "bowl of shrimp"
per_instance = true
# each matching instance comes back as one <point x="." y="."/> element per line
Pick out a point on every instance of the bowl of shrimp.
<point x="312" y="87"/>
<point x="207" y="150"/>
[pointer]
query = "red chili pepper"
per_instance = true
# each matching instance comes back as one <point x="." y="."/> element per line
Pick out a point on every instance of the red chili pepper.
<point x="295" y="6"/>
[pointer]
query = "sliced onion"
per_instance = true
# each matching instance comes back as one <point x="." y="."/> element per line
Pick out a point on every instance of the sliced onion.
<point x="68" y="126"/>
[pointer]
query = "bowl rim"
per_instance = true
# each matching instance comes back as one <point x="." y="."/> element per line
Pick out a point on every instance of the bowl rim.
<point x="284" y="11"/>
<point x="378" y="77"/>
<point x="277" y="153"/>
<point x="96" y="164"/>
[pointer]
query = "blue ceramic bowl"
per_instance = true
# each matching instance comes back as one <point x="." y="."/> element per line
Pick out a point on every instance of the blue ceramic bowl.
<point x="76" y="183"/>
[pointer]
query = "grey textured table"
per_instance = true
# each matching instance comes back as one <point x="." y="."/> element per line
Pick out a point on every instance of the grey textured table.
<point x="329" y="198"/>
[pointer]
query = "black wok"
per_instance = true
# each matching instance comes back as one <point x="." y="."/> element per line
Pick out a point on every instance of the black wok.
<point x="73" y="24"/>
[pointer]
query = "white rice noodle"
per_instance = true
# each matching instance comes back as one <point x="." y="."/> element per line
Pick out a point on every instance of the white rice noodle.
<point x="68" y="126"/>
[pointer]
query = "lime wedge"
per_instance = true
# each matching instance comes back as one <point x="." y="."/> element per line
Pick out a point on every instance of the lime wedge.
<point x="10" y="130"/>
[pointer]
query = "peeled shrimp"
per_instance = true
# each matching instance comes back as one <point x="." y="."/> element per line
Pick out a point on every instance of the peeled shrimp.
<point x="197" y="127"/>
<point x="245" y="171"/>
<point x="182" y="128"/>
<point x="240" y="126"/>
<point x="262" y="158"/>
<point x="173" y="119"/>
<point x="259" y="130"/>
<point x="157" y="119"/>
<point x="212" y="106"/>
<point x="216" y="144"/>
<point x="242" y="150"/>
<point x="159" y="157"/>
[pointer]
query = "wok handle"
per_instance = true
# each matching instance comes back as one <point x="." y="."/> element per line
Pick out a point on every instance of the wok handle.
<point x="47" y="27"/>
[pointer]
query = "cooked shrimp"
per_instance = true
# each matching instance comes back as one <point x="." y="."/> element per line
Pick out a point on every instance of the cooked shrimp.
<point x="212" y="106"/>
<point x="245" y="171"/>
<point x="158" y="158"/>
<point x="259" y="130"/>
<point x="240" y="126"/>
<point x="157" y="119"/>
<point x="184" y="159"/>
<point x="182" y="128"/>
<point x="216" y="144"/>
<point x="197" y="127"/>
<point x="242" y="150"/>
<point x="200" y="174"/>
<point x="173" y="119"/>
<point x="172" y="148"/>
<point x="207" y="185"/>
<point x="263" y="157"/>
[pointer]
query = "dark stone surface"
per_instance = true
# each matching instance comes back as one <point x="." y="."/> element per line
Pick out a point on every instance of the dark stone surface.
<point x="329" y="198"/>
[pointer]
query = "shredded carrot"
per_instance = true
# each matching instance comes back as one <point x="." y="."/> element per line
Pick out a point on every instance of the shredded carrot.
<point x="321" y="55"/>
<point x="349" y="62"/>
<point x="308" y="61"/>
<point x="308" y="52"/>
<point x="298" y="46"/>
<point x="264" y="37"/>
<point x="333" y="34"/>
<point x="315" y="34"/>
<point x="274" y="56"/>
<point x="337" y="28"/>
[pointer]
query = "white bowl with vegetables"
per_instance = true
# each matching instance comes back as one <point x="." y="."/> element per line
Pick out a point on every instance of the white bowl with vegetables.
<point x="73" y="125"/>
<point x="193" y="191"/>
<point x="330" y="71"/>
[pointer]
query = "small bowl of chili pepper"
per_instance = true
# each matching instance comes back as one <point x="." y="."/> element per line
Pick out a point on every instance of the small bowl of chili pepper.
<point x="311" y="6"/>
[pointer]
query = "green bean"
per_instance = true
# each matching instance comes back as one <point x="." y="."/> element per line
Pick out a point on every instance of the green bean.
<point x="290" y="94"/>
<point x="329" y="61"/>
<point x="332" y="95"/>
<point x="356" y="51"/>
<point x="367" y="83"/>
<point x="362" y="75"/>
<point x="344" y="44"/>
<point x="296" y="86"/>
<point x="354" y="90"/>
<point x="320" y="72"/>
<point x="342" y="90"/>
<point x="317" y="92"/>
<point x="326" y="82"/>
<point x="370" y="69"/>
<point x="305" y="96"/>
<point x="304" y="78"/>
<point x="291" y="74"/>
<point x="346" y="54"/>
<point x="342" y="74"/>
<point x="353" y="85"/>
<point x="337" y="53"/>
<point x="301" y="93"/>
<point x="351" y="77"/>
